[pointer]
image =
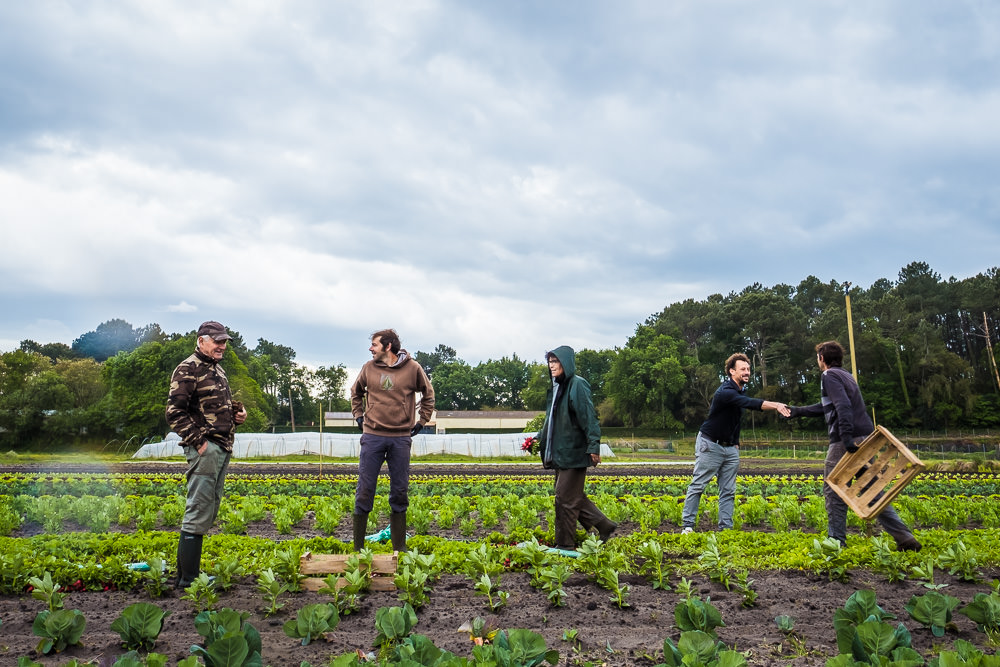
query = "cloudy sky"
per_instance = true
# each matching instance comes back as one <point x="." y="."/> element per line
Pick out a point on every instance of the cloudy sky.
<point x="498" y="177"/>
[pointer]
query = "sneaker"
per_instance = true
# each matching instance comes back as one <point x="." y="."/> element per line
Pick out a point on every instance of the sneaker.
<point x="687" y="530"/>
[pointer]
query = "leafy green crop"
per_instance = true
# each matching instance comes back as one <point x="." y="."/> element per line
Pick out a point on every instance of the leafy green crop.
<point x="932" y="610"/>
<point x="139" y="625"/>
<point x="58" y="629"/>
<point x="984" y="611"/>
<point x="229" y="639"/>
<point x="312" y="622"/>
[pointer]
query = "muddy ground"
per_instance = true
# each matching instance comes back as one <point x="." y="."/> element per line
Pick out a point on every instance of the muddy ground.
<point x="607" y="635"/>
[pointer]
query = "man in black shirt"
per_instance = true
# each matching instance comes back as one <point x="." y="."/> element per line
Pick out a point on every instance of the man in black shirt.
<point x="717" y="447"/>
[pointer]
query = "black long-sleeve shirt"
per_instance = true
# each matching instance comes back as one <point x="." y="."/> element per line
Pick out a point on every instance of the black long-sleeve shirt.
<point x="726" y="414"/>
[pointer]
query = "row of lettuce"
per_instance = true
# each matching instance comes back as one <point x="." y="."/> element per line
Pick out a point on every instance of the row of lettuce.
<point x="863" y="632"/>
<point x="165" y="485"/>
<point x="471" y="516"/>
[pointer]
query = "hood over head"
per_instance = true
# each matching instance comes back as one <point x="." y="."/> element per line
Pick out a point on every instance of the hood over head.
<point x="566" y="357"/>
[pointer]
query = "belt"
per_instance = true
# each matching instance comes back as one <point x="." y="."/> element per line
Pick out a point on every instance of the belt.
<point x="720" y="443"/>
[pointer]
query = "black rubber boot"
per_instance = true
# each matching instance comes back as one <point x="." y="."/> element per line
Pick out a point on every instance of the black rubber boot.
<point x="397" y="530"/>
<point x="188" y="559"/>
<point x="360" y="528"/>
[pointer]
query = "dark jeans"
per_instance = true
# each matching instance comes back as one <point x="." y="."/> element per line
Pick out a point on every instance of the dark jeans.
<point x="206" y="479"/>
<point x="836" y="509"/>
<point x="572" y="504"/>
<point x="376" y="449"/>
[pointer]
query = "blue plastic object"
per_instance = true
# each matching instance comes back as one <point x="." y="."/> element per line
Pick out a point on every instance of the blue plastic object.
<point x="563" y="552"/>
<point x="380" y="536"/>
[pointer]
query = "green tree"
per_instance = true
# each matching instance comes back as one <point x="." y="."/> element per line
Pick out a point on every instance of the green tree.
<point x="502" y="381"/>
<point x="331" y="383"/>
<point x="54" y="351"/>
<point x="20" y="417"/>
<point x="442" y="354"/>
<point x="533" y="394"/>
<point x="456" y="387"/>
<point x="594" y="366"/>
<point x="114" y="336"/>
<point x="646" y="379"/>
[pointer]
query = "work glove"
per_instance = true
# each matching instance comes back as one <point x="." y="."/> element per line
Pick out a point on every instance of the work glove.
<point x="361" y="423"/>
<point x="851" y="447"/>
<point x="417" y="428"/>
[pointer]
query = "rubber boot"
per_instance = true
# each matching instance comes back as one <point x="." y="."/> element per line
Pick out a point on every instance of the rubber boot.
<point x="397" y="531"/>
<point x="188" y="559"/>
<point x="360" y="528"/>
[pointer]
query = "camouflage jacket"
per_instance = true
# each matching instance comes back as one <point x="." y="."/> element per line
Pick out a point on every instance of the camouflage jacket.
<point x="200" y="404"/>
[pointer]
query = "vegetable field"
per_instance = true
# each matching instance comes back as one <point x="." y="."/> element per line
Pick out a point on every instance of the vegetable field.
<point x="478" y="585"/>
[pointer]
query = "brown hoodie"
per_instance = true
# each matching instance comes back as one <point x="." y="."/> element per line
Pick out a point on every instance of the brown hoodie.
<point x="386" y="396"/>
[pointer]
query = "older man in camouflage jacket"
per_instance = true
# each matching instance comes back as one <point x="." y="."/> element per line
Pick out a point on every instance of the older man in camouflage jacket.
<point x="201" y="410"/>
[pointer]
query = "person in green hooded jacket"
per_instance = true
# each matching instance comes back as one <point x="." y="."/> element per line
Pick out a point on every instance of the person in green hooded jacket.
<point x="569" y="442"/>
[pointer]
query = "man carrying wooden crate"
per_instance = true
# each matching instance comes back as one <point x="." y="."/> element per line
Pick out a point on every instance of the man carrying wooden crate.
<point x="847" y="423"/>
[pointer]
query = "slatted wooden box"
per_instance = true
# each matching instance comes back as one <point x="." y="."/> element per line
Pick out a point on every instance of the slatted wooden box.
<point x="883" y="465"/>
<point x="383" y="570"/>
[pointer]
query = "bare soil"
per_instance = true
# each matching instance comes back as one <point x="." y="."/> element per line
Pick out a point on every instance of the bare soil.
<point x="607" y="635"/>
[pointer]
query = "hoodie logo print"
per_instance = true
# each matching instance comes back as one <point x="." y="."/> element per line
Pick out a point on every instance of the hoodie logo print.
<point x="386" y="383"/>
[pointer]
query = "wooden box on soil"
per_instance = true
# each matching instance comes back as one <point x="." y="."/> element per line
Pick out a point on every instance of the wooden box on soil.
<point x="882" y="465"/>
<point x="383" y="570"/>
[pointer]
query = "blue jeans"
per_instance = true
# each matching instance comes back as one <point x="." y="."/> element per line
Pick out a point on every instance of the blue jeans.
<point x="712" y="460"/>
<point x="376" y="449"/>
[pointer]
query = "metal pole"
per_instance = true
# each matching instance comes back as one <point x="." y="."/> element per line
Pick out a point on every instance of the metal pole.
<point x="850" y="330"/>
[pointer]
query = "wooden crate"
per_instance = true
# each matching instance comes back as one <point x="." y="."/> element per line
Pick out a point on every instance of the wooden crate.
<point x="882" y="465"/>
<point x="383" y="570"/>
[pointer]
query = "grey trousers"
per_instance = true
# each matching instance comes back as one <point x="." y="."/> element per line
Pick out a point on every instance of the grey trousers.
<point x="206" y="479"/>
<point x="836" y="509"/>
<point x="573" y="505"/>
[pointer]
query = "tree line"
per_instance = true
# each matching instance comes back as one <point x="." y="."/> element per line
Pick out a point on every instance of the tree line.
<point x="113" y="382"/>
<point x="923" y="348"/>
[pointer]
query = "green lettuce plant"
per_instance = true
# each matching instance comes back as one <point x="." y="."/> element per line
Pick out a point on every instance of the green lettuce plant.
<point x="699" y="648"/>
<point x="651" y="552"/>
<point x="271" y="588"/>
<point x="515" y="648"/>
<point x="155" y="580"/>
<point x="139" y="625"/>
<point x="312" y="622"/>
<point x="932" y="610"/>
<point x="552" y="580"/>
<point x="58" y="629"/>
<point x="393" y="624"/>
<point x="489" y="588"/>
<point x="47" y="591"/>
<point x="984" y="611"/>
<point x="960" y="561"/>
<point x="201" y="593"/>
<point x="693" y="613"/>
<point x="229" y="640"/>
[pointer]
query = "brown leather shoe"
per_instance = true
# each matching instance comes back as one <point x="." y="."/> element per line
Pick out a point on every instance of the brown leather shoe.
<point x="910" y="544"/>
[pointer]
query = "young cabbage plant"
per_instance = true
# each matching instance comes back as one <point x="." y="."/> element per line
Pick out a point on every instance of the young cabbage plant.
<point x="312" y="622"/>
<point x="139" y="625"/>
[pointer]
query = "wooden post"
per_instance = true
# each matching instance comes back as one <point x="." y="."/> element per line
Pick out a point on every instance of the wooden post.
<point x="989" y="348"/>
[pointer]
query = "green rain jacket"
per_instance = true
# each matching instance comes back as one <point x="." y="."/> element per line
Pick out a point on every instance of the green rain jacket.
<point x="570" y="433"/>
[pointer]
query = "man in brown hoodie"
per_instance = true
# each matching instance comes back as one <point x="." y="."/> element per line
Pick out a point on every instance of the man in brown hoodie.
<point x="383" y="402"/>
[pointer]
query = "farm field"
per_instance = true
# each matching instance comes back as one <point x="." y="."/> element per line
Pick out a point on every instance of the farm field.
<point x="85" y="526"/>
